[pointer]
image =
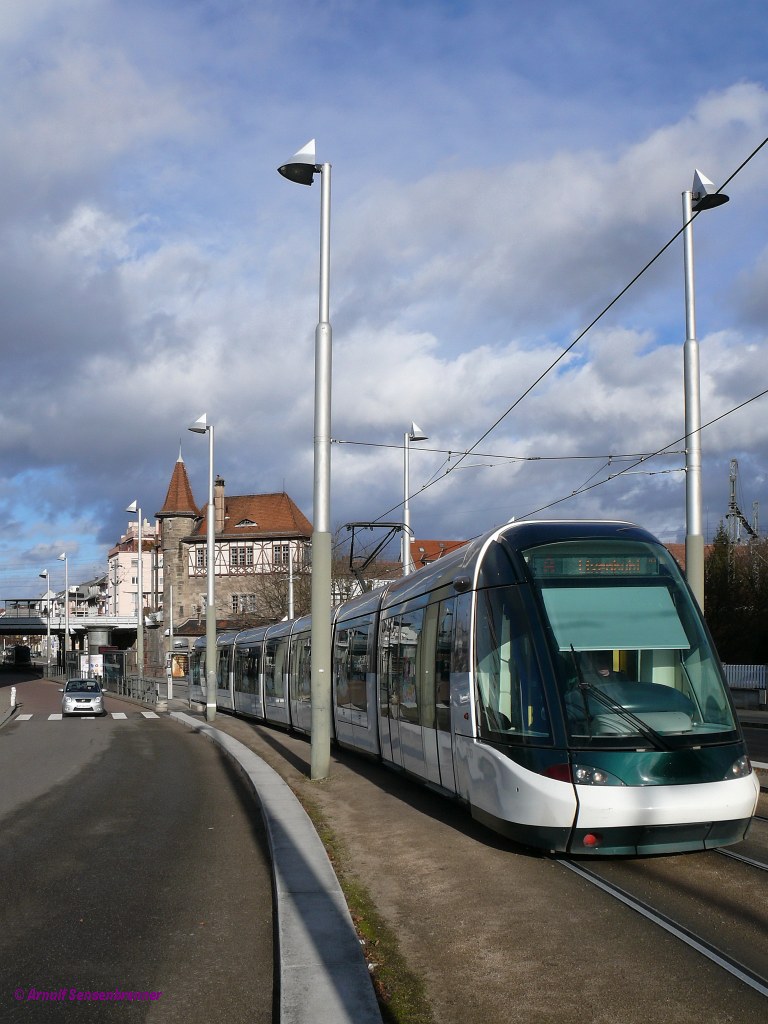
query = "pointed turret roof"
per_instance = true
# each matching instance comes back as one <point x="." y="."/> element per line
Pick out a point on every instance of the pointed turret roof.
<point x="179" y="500"/>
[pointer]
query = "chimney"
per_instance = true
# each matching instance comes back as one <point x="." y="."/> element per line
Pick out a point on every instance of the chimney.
<point x="218" y="504"/>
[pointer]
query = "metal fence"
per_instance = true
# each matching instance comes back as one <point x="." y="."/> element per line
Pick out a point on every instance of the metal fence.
<point x="137" y="687"/>
<point x="746" y="677"/>
<point x="748" y="684"/>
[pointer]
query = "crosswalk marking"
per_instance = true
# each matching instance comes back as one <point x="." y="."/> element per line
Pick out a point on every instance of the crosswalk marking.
<point x="120" y="715"/>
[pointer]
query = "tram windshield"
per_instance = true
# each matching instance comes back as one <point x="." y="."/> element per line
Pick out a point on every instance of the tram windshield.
<point x="634" y="660"/>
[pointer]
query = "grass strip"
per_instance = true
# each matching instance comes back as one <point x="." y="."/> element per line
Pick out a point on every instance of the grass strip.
<point x="401" y="993"/>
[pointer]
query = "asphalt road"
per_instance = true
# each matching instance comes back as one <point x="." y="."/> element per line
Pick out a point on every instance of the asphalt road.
<point x="132" y="860"/>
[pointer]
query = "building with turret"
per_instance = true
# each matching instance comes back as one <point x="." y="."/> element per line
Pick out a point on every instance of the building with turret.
<point x="261" y="544"/>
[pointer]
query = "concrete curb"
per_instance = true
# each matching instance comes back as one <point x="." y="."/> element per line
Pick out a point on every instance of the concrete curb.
<point x="323" y="976"/>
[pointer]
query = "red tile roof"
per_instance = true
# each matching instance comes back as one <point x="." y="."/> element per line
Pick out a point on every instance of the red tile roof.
<point x="425" y="551"/>
<point x="259" y="515"/>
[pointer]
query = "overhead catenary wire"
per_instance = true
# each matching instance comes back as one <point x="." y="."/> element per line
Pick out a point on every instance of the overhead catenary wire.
<point x="627" y="469"/>
<point x="499" y="455"/>
<point x="575" y="342"/>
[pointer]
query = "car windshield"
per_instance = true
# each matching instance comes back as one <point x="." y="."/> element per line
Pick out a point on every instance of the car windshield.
<point x="82" y="686"/>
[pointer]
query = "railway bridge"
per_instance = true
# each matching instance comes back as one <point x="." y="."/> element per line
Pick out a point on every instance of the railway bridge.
<point x="21" y="619"/>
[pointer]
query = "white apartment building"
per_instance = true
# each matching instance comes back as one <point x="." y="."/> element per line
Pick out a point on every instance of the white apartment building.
<point x="123" y="570"/>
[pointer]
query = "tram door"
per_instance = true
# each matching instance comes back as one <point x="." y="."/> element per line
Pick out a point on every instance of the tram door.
<point x="444" y="666"/>
<point x="414" y="704"/>
<point x="400" y="727"/>
<point x="300" y="682"/>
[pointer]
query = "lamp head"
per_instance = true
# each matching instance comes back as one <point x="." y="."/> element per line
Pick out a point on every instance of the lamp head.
<point x="200" y="425"/>
<point x="302" y="166"/>
<point x="704" y="194"/>
<point x="417" y="434"/>
<point x="133" y="507"/>
<point x="44" y="574"/>
<point x="62" y="557"/>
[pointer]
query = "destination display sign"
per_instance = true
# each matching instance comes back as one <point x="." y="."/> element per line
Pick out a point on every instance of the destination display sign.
<point x="594" y="563"/>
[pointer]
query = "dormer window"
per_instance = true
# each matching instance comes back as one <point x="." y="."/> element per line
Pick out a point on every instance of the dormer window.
<point x="247" y="522"/>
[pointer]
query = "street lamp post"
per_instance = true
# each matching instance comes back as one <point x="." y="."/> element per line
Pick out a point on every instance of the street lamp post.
<point x="302" y="168"/>
<point x="414" y="434"/>
<point x="702" y="196"/>
<point x="200" y="426"/>
<point x="45" y="575"/>
<point x="135" y="509"/>
<point x="63" y="558"/>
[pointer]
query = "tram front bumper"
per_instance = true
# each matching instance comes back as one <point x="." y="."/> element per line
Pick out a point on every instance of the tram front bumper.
<point x="616" y="820"/>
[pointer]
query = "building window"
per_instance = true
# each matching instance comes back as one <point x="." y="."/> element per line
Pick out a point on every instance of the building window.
<point x="241" y="555"/>
<point x="280" y="554"/>
<point x="243" y="603"/>
<point x="201" y="557"/>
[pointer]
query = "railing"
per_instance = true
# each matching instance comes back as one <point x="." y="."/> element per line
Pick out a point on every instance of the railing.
<point x="746" y="677"/>
<point x="139" y="688"/>
<point x="748" y="684"/>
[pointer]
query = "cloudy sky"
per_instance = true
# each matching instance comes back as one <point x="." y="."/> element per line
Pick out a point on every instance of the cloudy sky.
<point x="501" y="171"/>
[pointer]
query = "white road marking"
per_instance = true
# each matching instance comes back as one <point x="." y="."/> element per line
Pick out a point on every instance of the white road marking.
<point x="114" y="714"/>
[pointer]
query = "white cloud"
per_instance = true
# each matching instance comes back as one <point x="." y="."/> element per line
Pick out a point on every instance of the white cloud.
<point x="153" y="265"/>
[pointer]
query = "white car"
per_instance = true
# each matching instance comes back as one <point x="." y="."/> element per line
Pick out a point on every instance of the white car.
<point x="82" y="697"/>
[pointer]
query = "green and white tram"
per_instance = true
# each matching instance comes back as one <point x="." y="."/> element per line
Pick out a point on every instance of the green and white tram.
<point x="557" y="677"/>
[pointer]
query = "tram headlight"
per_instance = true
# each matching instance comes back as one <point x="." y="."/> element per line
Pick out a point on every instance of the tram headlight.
<point x="740" y="768"/>
<point x="586" y="775"/>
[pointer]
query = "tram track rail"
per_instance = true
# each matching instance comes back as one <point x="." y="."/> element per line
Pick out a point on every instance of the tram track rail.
<point x="750" y="861"/>
<point x="725" y="961"/>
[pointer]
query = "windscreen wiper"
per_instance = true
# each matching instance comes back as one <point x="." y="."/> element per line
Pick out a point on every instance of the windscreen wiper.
<point x="608" y="702"/>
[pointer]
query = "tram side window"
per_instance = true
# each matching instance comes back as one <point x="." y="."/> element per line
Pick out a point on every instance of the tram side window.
<point x="305" y="667"/>
<point x="341" y="667"/>
<point x="461" y="630"/>
<point x="407" y="665"/>
<point x="247" y="670"/>
<point x="401" y="666"/>
<point x="510" y="690"/>
<point x="350" y="656"/>
<point x="388" y="631"/>
<point x="301" y="668"/>
<point x="222" y="673"/>
<point x="443" y="651"/>
<point x="273" y="668"/>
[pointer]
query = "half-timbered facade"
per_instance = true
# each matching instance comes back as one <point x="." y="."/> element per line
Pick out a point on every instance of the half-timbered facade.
<point x="261" y="547"/>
